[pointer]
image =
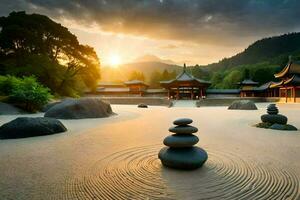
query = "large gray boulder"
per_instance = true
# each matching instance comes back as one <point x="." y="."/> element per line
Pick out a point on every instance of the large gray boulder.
<point x="242" y="105"/>
<point x="7" y="109"/>
<point x="49" y="105"/>
<point x="80" y="109"/>
<point x="23" y="127"/>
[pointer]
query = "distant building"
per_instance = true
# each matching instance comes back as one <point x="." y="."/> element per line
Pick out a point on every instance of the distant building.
<point x="289" y="86"/>
<point x="134" y="88"/>
<point x="185" y="86"/>
<point x="247" y="88"/>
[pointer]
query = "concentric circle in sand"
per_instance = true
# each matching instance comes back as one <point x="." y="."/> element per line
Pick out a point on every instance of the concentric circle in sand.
<point x="137" y="173"/>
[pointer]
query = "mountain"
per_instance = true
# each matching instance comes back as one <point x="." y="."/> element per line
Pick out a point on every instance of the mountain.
<point x="153" y="58"/>
<point x="274" y="50"/>
<point x="262" y="60"/>
<point x="122" y="73"/>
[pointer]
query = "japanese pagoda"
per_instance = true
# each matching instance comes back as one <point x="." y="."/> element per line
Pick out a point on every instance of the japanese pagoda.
<point x="185" y="86"/>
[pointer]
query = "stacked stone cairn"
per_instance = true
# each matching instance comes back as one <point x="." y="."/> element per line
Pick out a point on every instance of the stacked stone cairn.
<point x="273" y="120"/>
<point x="180" y="152"/>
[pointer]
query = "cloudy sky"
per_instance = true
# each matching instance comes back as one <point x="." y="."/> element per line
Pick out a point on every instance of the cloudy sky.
<point x="192" y="31"/>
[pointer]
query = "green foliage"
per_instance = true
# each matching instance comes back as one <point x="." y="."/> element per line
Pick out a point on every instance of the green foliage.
<point x="25" y="92"/>
<point x="232" y="79"/>
<point x="216" y="80"/>
<point x="200" y="72"/>
<point x="8" y="84"/>
<point x="36" y="45"/>
<point x="157" y="76"/>
<point x="274" y="50"/>
<point x="226" y="80"/>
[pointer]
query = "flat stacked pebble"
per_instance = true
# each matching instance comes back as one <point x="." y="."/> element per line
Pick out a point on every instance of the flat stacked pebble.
<point x="273" y="120"/>
<point x="180" y="152"/>
<point x="272" y="116"/>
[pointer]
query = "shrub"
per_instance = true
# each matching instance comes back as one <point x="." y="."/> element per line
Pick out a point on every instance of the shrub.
<point x="30" y="94"/>
<point x="26" y="92"/>
<point x="8" y="83"/>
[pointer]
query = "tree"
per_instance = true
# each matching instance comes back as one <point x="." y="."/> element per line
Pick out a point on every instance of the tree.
<point x="216" y="80"/>
<point x="246" y="73"/>
<point x="36" y="45"/>
<point x="155" y="78"/>
<point x="232" y="79"/>
<point x="136" y="75"/>
<point x="165" y="75"/>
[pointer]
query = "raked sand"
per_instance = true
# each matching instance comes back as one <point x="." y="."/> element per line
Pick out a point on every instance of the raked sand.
<point x="116" y="158"/>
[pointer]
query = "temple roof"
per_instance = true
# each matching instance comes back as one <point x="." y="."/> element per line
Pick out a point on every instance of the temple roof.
<point x="105" y="84"/>
<point x="185" y="77"/>
<point x="294" y="80"/>
<point x="135" y="82"/>
<point x="248" y="82"/>
<point x="291" y="68"/>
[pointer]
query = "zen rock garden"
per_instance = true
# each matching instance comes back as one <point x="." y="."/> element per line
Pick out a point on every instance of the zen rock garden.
<point x="23" y="127"/>
<point x="273" y="120"/>
<point x="180" y="152"/>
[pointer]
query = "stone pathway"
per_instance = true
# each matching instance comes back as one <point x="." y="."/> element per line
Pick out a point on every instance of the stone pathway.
<point x="184" y="103"/>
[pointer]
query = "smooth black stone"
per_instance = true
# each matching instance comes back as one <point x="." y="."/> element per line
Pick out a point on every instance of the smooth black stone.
<point x="274" y="119"/>
<point x="272" y="106"/>
<point x="272" y="109"/>
<point x="272" y="112"/>
<point x="142" y="105"/>
<point x="183" y="158"/>
<point x="183" y="129"/>
<point x="284" y="127"/>
<point x="180" y="141"/>
<point x="182" y="121"/>
<point x="80" y="108"/>
<point x="23" y="127"/>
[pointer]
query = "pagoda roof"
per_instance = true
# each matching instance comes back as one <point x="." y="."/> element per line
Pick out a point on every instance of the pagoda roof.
<point x="135" y="82"/>
<point x="290" y="68"/>
<point x="105" y="84"/>
<point x="248" y="82"/>
<point x="185" y="77"/>
<point x="294" y="80"/>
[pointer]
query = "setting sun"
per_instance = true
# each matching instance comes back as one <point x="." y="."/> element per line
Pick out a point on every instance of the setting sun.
<point x="114" y="60"/>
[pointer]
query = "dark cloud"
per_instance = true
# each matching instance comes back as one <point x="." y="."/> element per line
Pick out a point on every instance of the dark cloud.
<point x="202" y="21"/>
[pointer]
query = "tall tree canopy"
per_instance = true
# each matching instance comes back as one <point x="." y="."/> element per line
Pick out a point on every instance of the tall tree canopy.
<point x="35" y="45"/>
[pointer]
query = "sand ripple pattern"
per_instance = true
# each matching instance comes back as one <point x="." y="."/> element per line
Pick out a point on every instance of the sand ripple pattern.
<point x="137" y="173"/>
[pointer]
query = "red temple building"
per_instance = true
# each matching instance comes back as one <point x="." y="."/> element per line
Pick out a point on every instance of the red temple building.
<point x="289" y="86"/>
<point x="185" y="86"/>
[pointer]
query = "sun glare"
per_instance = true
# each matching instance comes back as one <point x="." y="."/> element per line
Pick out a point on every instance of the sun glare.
<point x="115" y="60"/>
